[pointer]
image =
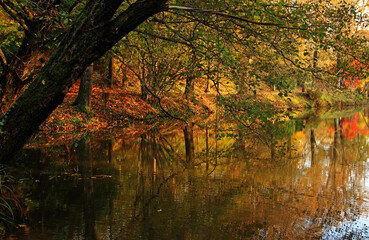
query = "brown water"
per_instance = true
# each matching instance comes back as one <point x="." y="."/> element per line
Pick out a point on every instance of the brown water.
<point x="303" y="179"/>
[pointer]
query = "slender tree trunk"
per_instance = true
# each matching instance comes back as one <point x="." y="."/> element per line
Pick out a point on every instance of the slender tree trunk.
<point x="339" y="71"/>
<point x="190" y="83"/>
<point x="110" y="72"/>
<point x="144" y="92"/>
<point x="190" y="87"/>
<point x="83" y="100"/>
<point x="303" y="87"/>
<point x="93" y="33"/>
<point x="315" y="63"/>
<point x="365" y="90"/>
<point x="143" y="82"/>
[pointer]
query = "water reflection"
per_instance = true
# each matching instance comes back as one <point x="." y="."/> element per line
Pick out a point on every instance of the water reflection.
<point x="291" y="180"/>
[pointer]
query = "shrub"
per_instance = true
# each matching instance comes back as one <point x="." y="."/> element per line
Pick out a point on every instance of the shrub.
<point x="10" y="206"/>
<point x="314" y="94"/>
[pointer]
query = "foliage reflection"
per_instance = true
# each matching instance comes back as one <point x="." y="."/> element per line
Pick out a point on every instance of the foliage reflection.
<point x="294" y="179"/>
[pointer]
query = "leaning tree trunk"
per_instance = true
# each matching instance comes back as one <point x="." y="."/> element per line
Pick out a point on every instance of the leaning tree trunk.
<point x="92" y="34"/>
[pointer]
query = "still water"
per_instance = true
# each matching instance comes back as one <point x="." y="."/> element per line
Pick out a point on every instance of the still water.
<point x="305" y="179"/>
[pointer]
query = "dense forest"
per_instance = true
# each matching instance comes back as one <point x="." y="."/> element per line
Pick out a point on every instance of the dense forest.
<point x="181" y="58"/>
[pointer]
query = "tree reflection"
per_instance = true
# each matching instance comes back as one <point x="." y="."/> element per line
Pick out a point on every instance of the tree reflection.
<point x="313" y="145"/>
<point x="280" y="181"/>
<point x="84" y="156"/>
<point x="190" y="147"/>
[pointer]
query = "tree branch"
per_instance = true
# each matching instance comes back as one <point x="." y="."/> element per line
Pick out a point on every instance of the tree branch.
<point x="199" y="10"/>
<point x="163" y="38"/>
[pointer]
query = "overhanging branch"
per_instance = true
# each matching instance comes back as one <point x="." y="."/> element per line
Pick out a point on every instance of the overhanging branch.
<point x="199" y="10"/>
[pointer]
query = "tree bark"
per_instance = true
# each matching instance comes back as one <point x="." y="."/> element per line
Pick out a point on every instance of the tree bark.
<point x="339" y="71"/>
<point x="365" y="90"/>
<point x="83" y="100"/>
<point x="110" y="72"/>
<point x="190" y="87"/>
<point x="190" y="77"/>
<point x="93" y="33"/>
<point x="315" y="64"/>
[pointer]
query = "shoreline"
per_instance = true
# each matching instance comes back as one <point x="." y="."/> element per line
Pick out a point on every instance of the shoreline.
<point x="124" y="109"/>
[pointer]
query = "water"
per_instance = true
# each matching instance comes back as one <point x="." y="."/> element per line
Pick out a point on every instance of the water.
<point x="306" y="179"/>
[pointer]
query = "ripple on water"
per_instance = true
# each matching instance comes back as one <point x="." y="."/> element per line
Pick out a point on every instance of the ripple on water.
<point x="357" y="229"/>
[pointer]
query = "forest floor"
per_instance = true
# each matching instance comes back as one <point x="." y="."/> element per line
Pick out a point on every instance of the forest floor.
<point x="122" y="108"/>
<point x="116" y="108"/>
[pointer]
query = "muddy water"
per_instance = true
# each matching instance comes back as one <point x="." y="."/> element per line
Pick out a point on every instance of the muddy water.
<point x="305" y="179"/>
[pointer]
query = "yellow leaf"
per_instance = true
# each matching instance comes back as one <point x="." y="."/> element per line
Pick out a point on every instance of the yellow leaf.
<point x="43" y="82"/>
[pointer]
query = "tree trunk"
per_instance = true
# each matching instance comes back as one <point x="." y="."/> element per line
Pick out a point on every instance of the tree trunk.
<point x="315" y="64"/>
<point x="190" y="77"/>
<point x="339" y="71"/>
<point x="83" y="100"/>
<point x="92" y="34"/>
<point x="303" y="87"/>
<point x="144" y="92"/>
<point x="110" y="72"/>
<point x="365" y="90"/>
<point x="190" y="87"/>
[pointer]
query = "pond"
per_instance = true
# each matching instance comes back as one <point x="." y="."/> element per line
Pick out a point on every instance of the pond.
<point x="300" y="179"/>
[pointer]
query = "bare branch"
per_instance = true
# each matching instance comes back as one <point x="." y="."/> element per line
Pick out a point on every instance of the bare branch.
<point x="199" y="10"/>
<point x="164" y="38"/>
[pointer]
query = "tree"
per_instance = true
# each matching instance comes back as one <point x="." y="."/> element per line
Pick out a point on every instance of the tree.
<point x="83" y="100"/>
<point x="93" y="33"/>
<point x="223" y="48"/>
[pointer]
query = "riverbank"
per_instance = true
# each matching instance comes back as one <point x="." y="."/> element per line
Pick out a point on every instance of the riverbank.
<point x="319" y="97"/>
<point x="120" y="107"/>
